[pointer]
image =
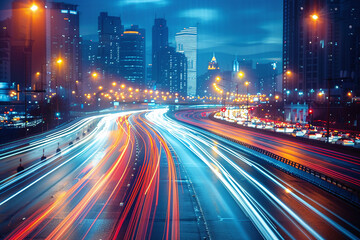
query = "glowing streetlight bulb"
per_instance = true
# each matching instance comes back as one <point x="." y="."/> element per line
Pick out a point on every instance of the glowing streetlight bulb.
<point x="241" y="74"/>
<point x="59" y="61"/>
<point x="314" y="17"/>
<point x="34" y="8"/>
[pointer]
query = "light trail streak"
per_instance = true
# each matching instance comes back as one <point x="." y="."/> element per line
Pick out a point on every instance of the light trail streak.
<point x="192" y="139"/>
<point x="298" y="152"/>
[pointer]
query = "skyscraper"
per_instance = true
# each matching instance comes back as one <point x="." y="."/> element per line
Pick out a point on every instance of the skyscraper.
<point x="186" y="42"/>
<point x="160" y="37"/>
<point x="89" y="53"/>
<point x="5" y="51"/>
<point x="172" y="71"/>
<point x="5" y="48"/>
<point x="110" y="30"/>
<point x="132" y="56"/>
<point x="28" y="51"/>
<point x="320" y="42"/>
<point x="63" y="42"/>
<point x="266" y="74"/>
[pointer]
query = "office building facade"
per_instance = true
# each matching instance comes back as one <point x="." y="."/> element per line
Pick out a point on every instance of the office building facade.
<point x="132" y="56"/>
<point x="186" y="42"/>
<point x="173" y="71"/>
<point x="63" y="42"/>
<point x="110" y="30"/>
<point x="160" y="38"/>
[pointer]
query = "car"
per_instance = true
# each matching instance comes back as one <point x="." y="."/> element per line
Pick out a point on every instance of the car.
<point x="311" y="135"/>
<point x="345" y="141"/>
<point x="355" y="137"/>
<point x="336" y="136"/>
<point x="324" y="137"/>
<point x="298" y="133"/>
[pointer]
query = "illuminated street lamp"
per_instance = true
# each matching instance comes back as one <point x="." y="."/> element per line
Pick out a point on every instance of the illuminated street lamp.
<point x="34" y="8"/>
<point x="315" y="17"/>
<point x="241" y="74"/>
<point x="218" y="78"/>
<point x="94" y="75"/>
<point x="114" y="84"/>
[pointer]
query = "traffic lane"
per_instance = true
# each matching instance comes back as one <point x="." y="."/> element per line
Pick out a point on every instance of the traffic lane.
<point x="161" y="213"/>
<point x="335" y="165"/>
<point x="46" y="190"/>
<point x="223" y="216"/>
<point x="39" y="164"/>
<point x="306" y="203"/>
<point x="9" y="165"/>
<point x="34" y="151"/>
<point x="309" y="209"/>
<point x="196" y="117"/>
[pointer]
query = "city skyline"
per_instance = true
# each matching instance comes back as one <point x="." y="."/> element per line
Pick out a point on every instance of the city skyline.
<point x="217" y="25"/>
<point x="193" y="119"/>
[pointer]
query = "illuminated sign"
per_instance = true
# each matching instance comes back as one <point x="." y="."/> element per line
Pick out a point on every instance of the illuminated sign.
<point x="73" y="12"/>
<point x="64" y="11"/>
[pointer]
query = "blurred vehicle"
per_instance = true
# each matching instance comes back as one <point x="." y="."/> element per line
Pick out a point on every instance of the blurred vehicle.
<point x="312" y="134"/>
<point x="336" y="136"/>
<point x="345" y="142"/>
<point x="298" y="133"/>
<point x="279" y="129"/>
<point x="355" y="137"/>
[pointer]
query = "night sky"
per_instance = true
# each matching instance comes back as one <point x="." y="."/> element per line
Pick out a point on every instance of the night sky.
<point x="251" y="29"/>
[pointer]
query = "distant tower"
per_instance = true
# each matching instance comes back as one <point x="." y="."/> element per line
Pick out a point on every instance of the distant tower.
<point x="109" y="29"/>
<point x="213" y="65"/>
<point x="186" y="42"/>
<point x="160" y="38"/>
<point x="236" y="65"/>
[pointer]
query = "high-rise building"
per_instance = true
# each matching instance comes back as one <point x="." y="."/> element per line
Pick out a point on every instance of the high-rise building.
<point x="320" y="43"/>
<point x="266" y="74"/>
<point x="5" y="51"/>
<point x="5" y="80"/>
<point x="173" y="71"/>
<point x="63" y="42"/>
<point x="89" y="53"/>
<point x="132" y="56"/>
<point x="186" y="42"/>
<point x="28" y="51"/>
<point x="110" y="30"/>
<point x="160" y="38"/>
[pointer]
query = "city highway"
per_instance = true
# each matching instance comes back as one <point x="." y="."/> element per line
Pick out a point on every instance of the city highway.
<point x="338" y="165"/>
<point x="108" y="186"/>
<point x="142" y="175"/>
<point x="239" y="192"/>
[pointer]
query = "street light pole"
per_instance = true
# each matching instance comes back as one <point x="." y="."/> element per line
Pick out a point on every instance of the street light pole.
<point x="247" y="100"/>
<point x="59" y="61"/>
